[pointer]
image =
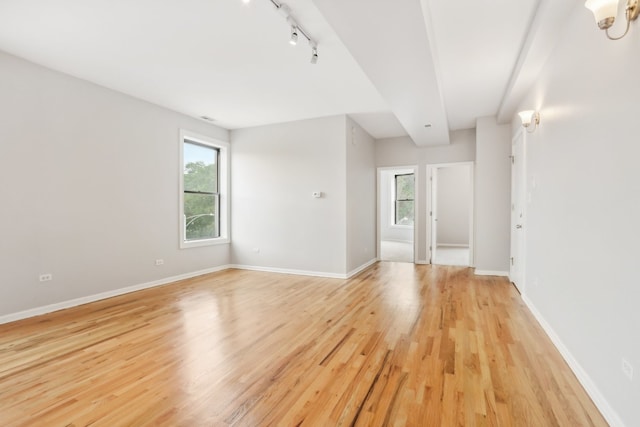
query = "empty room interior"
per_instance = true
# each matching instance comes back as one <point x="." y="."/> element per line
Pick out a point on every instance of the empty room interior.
<point x="319" y="213"/>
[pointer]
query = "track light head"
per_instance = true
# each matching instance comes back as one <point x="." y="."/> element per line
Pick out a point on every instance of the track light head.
<point x="296" y="30"/>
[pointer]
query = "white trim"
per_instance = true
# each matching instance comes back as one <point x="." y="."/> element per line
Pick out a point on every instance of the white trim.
<point x="590" y="387"/>
<point x="305" y="272"/>
<point x="519" y="280"/>
<point x="422" y="262"/>
<point x="361" y="268"/>
<point x="454" y="245"/>
<point x="429" y="202"/>
<point x="12" y="317"/>
<point x="103" y="295"/>
<point x="396" y="240"/>
<point x="491" y="273"/>
<point x="415" y="169"/>
<point x="392" y="197"/>
<point x="289" y="271"/>
<point x="402" y="227"/>
<point x="224" y="162"/>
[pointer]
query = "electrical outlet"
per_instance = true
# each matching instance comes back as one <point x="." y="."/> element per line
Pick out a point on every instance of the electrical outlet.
<point x="159" y="262"/>
<point x="627" y="368"/>
<point x="256" y="250"/>
<point x="46" y="277"/>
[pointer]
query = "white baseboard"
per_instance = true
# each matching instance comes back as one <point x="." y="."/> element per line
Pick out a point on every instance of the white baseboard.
<point x="306" y="272"/>
<point x="396" y="241"/>
<point x="491" y="273"/>
<point x="592" y="390"/>
<point x="421" y="261"/>
<point x="361" y="268"/>
<point x="453" y="245"/>
<point x="12" y="317"/>
<point x="103" y="295"/>
<point x="289" y="271"/>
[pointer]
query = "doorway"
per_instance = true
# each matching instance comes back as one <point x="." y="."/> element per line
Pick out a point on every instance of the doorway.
<point x="396" y="214"/>
<point x="518" y="205"/>
<point x="450" y="213"/>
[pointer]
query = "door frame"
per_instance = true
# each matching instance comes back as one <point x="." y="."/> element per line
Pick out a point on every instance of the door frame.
<point x="517" y="255"/>
<point x="429" y="195"/>
<point x="416" y="204"/>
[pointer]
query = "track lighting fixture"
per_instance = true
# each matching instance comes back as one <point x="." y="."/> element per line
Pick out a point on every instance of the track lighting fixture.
<point x="294" y="35"/>
<point x="296" y="29"/>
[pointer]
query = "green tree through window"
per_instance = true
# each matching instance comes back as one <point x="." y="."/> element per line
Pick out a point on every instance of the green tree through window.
<point x="201" y="193"/>
<point x="404" y="204"/>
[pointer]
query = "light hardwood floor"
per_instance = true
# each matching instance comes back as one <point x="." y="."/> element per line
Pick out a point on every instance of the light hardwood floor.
<point x="397" y="345"/>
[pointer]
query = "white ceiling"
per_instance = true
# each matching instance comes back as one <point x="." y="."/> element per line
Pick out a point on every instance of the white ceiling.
<point x="478" y="43"/>
<point x="394" y="66"/>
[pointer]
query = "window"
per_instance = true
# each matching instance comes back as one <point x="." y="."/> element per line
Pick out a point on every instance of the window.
<point x="403" y="206"/>
<point x="203" y="190"/>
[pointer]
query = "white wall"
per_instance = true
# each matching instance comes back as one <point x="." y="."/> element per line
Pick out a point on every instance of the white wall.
<point x="454" y="205"/>
<point x="361" y="196"/>
<point x="274" y="171"/>
<point x="582" y="223"/>
<point x="492" y="196"/>
<point x="394" y="152"/>
<point x="389" y="231"/>
<point x="89" y="189"/>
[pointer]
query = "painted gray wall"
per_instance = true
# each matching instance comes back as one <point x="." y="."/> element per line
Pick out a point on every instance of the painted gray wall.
<point x="583" y="183"/>
<point x="394" y="152"/>
<point x="89" y="189"/>
<point x="274" y="171"/>
<point x="492" y="195"/>
<point x="454" y="205"/>
<point x="361" y="196"/>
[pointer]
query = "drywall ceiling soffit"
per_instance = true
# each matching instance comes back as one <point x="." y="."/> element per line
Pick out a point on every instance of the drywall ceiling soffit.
<point x="546" y="28"/>
<point x="223" y="59"/>
<point x="477" y="43"/>
<point x="380" y="125"/>
<point x="389" y="41"/>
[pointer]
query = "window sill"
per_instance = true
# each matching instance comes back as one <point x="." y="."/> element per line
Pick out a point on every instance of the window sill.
<point x="205" y="242"/>
<point x="401" y="226"/>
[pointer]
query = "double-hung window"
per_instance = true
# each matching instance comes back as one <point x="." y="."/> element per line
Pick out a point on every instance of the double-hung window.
<point x="203" y="191"/>
<point x="404" y="203"/>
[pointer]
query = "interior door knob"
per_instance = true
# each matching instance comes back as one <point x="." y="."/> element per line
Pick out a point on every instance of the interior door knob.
<point x="519" y="226"/>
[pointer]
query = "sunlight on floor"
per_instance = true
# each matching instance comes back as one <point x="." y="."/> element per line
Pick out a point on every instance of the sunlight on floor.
<point x="396" y="251"/>
<point x="447" y="255"/>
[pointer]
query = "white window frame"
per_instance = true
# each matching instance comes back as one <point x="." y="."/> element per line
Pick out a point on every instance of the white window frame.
<point x="223" y="188"/>
<point x="392" y="217"/>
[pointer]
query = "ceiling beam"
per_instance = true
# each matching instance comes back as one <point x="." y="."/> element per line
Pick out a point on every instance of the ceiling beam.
<point x="545" y="28"/>
<point x="389" y="41"/>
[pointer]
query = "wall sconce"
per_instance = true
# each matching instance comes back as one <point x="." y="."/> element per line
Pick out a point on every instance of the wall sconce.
<point x="528" y="117"/>
<point x="605" y="12"/>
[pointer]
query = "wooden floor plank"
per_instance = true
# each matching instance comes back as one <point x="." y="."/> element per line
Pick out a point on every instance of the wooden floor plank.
<point x="399" y="345"/>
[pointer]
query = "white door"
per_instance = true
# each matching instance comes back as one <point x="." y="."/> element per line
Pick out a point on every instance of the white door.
<point x="434" y="214"/>
<point x="518" y="189"/>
